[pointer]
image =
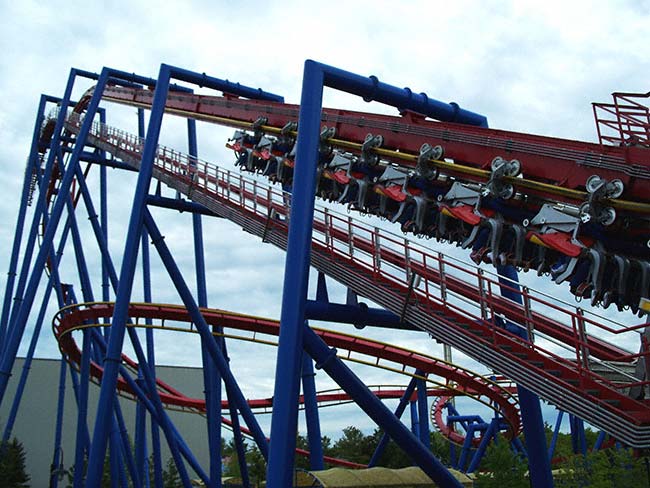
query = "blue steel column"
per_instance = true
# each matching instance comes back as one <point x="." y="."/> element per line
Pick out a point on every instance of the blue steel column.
<point x="311" y="414"/>
<point x="18" y="327"/>
<point x="234" y="392"/>
<point x="531" y="411"/>
<point x="151" y="360"/>
<point x="211" y="380"/>
<point x="423" y="413"/>
<point x="118" y="321"/>
<point x="30" y="168"/>
<point x="327" y="360"/>
<point x="57" y="461"/>
<point x="296" y="279"/>
<point x="401" y="406"/>
<point x="140" y="411"/>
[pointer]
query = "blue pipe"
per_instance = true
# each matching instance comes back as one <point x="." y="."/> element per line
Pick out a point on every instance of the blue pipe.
<point x="179" y="204"/>
<point x="401" y="406"/>
<point x="371" y="89"/>
<point x="82" y="412"/>
<point x="112" y="359"/>
<point x="151" y="360"/>
<point x="360" y="315"/>
<point x="529" y="406"/>
<point x="113" y="354"/>
<point x="212" y="383"/>
<point x="140" y="411"/>
<point x="204" y="331"/>
<point x="414" y="419"/>
<point x="57" y="459"/>
<point x="239" y="440"/>
<point x="311" y="415"/>
<point x="154" y="407"/>
<point x="20" y="220"/>
<point x="34" y="340"/>
<point x="203" y="80"/>
<point x="18" y="326"/>
<point x="556" y="433"/>
<point x="491" y="432"/>
<point x="376" y="410"/>
<point x="75" y="388"/>
<point x="423" y="413"/>
<point x="294" y="292"/>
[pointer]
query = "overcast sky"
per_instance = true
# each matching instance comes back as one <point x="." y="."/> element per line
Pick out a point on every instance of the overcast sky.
<point x="528" y="66"/>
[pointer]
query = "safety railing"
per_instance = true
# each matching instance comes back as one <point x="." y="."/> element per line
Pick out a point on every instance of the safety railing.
<point x="626" y="122"/>
<point x="433" y="280"/>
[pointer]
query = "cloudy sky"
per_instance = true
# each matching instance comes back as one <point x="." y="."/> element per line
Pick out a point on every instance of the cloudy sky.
<point x="528" y="66"/>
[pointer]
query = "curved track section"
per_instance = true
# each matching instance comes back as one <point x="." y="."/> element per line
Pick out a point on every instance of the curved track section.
<point x="459" y="381"/>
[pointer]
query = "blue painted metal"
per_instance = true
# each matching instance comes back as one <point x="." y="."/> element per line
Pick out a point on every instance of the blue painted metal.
<point x="316" y="76"/>
<point x="109" y="380"/>
<point x="360" y="315"/>
<point x="602" y="435"/>
<point x="140" y="411"/>
<point x="401" y="406"/>
<point x="57" y="466"/>
<point x="371" y="89"/>
<point x="82" y="413"/>
<point x="491" y="432"/>
<point x="311" y="415"/>
<point x="529" y="405"/>
<point x="203" y="80"/>
<point x="211" y="382"/>
<point x="556" y="433"/>
<point x="151" y="360"/>
<point x="52" y="282"/>
<point x="113" y="354"/>
<point x="216" y="354"/>
<point x="18" y="326"/>
<point x="376" y="410"/>
<point x="154" y="407"/>
<point x="423" y="413"/>
<point x="179" y="204"/>
<point x="238" y="439"/>
<point x="20" y="220"/>
<point x="294" y="293"/>
<point x="578" y="440"/>
<point x="414" y="419"/>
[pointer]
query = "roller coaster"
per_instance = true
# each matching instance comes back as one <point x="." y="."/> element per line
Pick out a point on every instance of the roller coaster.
<point x="574" y="212"/>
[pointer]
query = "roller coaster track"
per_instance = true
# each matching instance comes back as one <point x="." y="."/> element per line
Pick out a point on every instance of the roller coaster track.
<point x="570" y="207"/>
<point x="458" y="380"/>
<point x="423" y="288"/>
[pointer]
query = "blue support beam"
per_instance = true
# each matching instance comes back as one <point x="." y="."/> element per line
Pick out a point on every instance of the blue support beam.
<point x="401" y="407"/>
<point x="311" y="415"/>
<point x="31" y="169"/>
<point x="529" y="404"/>
<point x="423" y="413"/>
<point x="327" y="360"/>
<point x="211" y="380"/>
<point x="296" y="276"/>
<point x="112" y="359"/>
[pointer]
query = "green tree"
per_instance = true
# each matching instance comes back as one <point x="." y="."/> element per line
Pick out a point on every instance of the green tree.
<point x="13" y="472"/>
<point x="502" y="468"/>
<point x="170" y="476"/>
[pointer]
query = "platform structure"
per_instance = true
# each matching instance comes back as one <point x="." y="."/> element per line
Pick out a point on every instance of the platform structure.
<point x="575" y="211"/>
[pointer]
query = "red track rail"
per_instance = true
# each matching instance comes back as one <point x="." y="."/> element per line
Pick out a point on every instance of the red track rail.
<point x="461" y="381"/>
<point x="560" y="162"/>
